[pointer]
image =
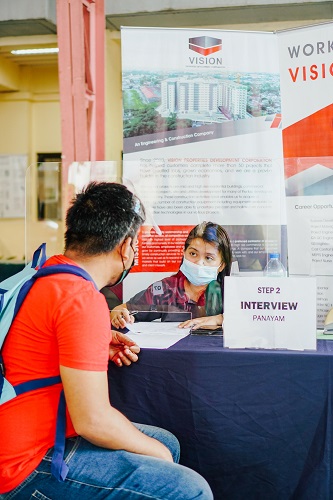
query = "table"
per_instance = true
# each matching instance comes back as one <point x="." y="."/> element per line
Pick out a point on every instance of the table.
<point x="256" y="424"/>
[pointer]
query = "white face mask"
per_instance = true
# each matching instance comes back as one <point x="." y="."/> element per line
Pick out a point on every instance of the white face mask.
<point x="197" y="274"/>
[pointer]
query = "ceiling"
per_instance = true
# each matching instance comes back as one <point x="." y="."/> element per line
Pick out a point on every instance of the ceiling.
<point x="22" y="33"/>
<point x="27" y="27"/>
<point x="273" y="16"/>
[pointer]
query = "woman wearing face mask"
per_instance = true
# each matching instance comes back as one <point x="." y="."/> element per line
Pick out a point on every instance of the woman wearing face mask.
<point x="197" y="288"/>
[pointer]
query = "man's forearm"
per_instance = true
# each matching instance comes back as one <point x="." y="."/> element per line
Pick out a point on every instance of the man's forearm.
<point x="114" y="431"/>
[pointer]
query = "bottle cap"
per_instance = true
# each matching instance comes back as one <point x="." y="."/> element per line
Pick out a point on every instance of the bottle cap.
<point x="274" y="255"/>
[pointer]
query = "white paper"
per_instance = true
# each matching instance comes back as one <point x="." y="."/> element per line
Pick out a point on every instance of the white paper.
<point x="156" y="335"/>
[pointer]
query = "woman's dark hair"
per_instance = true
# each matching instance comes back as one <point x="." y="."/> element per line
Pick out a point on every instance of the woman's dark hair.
<point x="215" y="235"/>
<point x="101" y="216"/>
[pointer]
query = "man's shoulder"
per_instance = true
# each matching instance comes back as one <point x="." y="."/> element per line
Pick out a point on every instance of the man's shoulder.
<point x="61" y="287"/>
<point x="65" y="270"/>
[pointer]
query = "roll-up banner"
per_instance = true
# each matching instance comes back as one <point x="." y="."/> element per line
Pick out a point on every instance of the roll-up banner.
<point x="203" y="142"/>
<point x="306" y="69"/>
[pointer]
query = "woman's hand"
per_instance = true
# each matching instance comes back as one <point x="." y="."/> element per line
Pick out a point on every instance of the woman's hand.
<point x="122" y="350"/>
<point x="196" y="323"/>
<point x="120" y="315"/>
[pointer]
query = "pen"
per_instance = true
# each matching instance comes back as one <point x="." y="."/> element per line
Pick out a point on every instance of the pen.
<point x="132" y="313"/>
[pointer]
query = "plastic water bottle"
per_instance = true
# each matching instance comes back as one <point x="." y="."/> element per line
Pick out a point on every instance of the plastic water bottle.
<point x="274" y="267"/>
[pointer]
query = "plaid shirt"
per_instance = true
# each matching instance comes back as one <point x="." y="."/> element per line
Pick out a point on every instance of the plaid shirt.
<point x="167" y="295"/>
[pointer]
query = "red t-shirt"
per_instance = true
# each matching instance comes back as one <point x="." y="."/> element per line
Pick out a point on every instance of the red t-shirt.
<point x="65" y="321"/>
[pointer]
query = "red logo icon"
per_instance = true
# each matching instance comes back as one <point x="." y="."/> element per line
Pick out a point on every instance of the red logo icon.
<point x="205" y="45"/>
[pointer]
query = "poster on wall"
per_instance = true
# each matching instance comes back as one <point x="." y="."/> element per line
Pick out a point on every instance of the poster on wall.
<point x="307" y="108"/>
<point x="203" y="142"/>
<point x="12" y="185"/>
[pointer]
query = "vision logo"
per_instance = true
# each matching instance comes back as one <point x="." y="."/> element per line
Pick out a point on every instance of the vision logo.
<point x="205" y="45"/>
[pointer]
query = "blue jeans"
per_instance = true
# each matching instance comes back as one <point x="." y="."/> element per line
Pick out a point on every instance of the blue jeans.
<point x="98" y="473"/>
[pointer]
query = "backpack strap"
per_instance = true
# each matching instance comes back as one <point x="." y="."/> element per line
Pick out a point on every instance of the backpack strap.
<point x="37" y="383"/>
<point x="59" y="468"/>
<point x="64" y="268"/>
<point x="39" y="256"/>
<point x="48" y="271"/>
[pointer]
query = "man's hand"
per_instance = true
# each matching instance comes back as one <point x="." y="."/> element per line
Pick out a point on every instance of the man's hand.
<point x="123" y="351"/>
<point x="196" y="323"/>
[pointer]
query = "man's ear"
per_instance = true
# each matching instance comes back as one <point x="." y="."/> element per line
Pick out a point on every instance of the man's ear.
<point x="126" y="251"/>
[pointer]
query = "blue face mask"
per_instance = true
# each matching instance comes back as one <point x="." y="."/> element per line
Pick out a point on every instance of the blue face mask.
<point x="197" y="274"/>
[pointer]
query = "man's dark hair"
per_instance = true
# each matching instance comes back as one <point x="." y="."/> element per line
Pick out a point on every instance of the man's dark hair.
<point x="101" y="216"/>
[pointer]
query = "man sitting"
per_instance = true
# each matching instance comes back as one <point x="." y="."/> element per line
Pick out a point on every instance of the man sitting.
<point x="63" y="327"/>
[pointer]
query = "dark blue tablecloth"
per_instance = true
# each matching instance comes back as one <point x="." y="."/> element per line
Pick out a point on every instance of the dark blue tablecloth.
<point x="256" y="424"/>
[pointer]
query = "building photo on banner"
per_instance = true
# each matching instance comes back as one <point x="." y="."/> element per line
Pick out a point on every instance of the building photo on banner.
<point x="203" y="142"/>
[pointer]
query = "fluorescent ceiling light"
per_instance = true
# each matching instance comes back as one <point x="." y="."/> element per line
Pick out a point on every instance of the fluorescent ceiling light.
<point x="23" y="52"/>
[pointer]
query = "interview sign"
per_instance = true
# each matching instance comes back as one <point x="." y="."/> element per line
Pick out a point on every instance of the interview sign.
<point x="270" y="313"/>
